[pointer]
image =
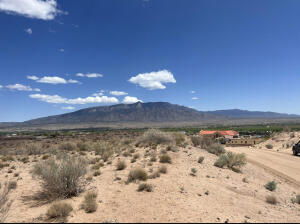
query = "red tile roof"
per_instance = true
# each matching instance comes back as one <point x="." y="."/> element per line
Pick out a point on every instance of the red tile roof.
<point x="228" y="132"/>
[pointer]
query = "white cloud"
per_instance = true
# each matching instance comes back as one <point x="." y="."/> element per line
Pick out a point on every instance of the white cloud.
<point x="118" y="93"/>
<point x="192" y="92"/>
<point x="98" y="94"/>
<point x="1" y="87"/>
<point x="62" y="50"/>
<point x="68" y="108"/>
<point x="60" y="100"/>
<point x="21" y="87"/>
<point x="131" y="99"/>
<point x="153" y="80"/>
<point x="195" y="98"/>
<point x="52" y="80"/>
<point x="89" y="75"/>
<point x="29" y="31"/>
<point x="32" y="77"/>
<point x="37" y="9"/>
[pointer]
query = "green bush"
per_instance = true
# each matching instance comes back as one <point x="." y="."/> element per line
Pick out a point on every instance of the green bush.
<point x="271" y="186"/>
<point x="137" y="174"/>
<point x="233" y="161"/>
<point x="216" y="149"/>
<point x="61" y="178"/>
<point x="296" y="199"/>
<point x="201" y="159"/>
<point x="59" y="210"/>
<point x="269" y="146"/>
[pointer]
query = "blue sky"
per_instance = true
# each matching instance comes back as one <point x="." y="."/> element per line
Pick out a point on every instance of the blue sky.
<point x="60" y="56"/>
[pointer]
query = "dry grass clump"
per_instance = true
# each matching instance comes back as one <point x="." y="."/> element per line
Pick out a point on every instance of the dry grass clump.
<point x="94" y="160"/>
<point x="271" y="186"/>
<point x="165" y="158"/>
<point x="5" y="203"/>
<point x="233" y="161"/>
<point x="121" y="165"/>
<point x="153" y="158"/>
<point x="104" y="149"/>
<point x="163" y="169"/>
<point x="82" y="147"/>
<point x="66" y="147"/>
<point x="216" y="149"/>
<point x="61" y="178"/>
<point x="203" y="142"/>
<point x="8" y="158"/>
<point x="137" y="174"/>
<point x="89" y="204"/>
<point x="179" y="138"/>
<point x="271" y="199"/>
<point x="172" y="148"/>
<point x="155" y="175"/>
<point x="155" y="137"/>
<point x="59" y="210"/>
<point x="145" y="187"/>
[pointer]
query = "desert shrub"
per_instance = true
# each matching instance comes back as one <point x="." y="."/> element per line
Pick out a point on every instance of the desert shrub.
<point x="172" y="148"/>
<point x="137" y="174"/>
<point x="96" y="173"/>
<point x="24" y="159"/>
<point x="233" y="161"/>
<point x="292" y="135"/>
<point x="66" y="147"/>
<point x="145" y="187"/>
<point x="2" y="165"/>
<point x="59" y="210"/>
<point x="271" y="186"/>
<point x="165" y="158"/>
<point x="271" y="199"/>
<point x="12" y="185"/>
<point x="153" y="158"/>
<point x="193" y="172"/>
<point x="121" y="165"/>
<point x="163" y="169"/>
<point x="104" y="149"/>
<point x="155" y="137"/>
<point x="179" y="138"/>
<point x="89" y="204"/>
<point x="216" y="149"/>
<point x="95" y="160"/>
<point x="45" y="157"/>
<point x="201" y="159"/>
<point x="61" y="177"/>
<point x="83" y="147"/>
<point x="269" y="146"/>
<point x="8" y="158"/>
<point x="296" y="199"/>
<point x="5" y="203"/>
<point x="136" y="156"/>
<point x="96" y="167"/>
<point x="203" y="142"/>
<point x="154" y="175"/>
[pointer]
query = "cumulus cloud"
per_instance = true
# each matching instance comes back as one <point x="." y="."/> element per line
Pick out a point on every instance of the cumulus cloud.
<point x="52" y="80"/>
<point x="29" y="31"/>
<point x="36" y="9"/>
<point x="1" y="86"/>
<point x="89" y="75"/>
<point x="153" y="80"/>
<point x="192" y="92"/>
<point x="20" y="87"/>
<point x="118" y="93"/>
<point x="195" y="98"/>
<point x="131" y="99"/>
<point x="68" y="108"/>
<point x="61" y="100"/>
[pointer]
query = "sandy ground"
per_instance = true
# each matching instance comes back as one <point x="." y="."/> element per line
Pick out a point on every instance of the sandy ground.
<point x="213" y="195"/>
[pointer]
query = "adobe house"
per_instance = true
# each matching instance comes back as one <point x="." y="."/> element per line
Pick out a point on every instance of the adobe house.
<point x="229" y="134"/>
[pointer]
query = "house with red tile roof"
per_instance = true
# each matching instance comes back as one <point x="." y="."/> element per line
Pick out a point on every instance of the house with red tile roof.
<point x="219" y="133"/>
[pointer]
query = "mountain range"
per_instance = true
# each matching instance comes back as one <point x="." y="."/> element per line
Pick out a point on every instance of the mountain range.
<point x="153" y="112"/>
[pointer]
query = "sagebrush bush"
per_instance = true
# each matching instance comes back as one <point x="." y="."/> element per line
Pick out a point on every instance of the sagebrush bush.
<point x="179" y="138"/>
<point x="203" y="142"/>
<point x="271" y="186"/>
<point x="145" y="187"/>
<point x="233" y="161"/>
<point x="216" y="149"/>
<point x="121" y="165"/>
<point x="271" y="199"/>
<point x="155" y="137"/>
<point x="61" y="178"/>
<point x="163" y="169"/>
<point x="89" y="204"/>
<point x="137" y="174"/>
<point x="104" y="149"/>
<point x="12" y="185"/>
<point x="269" y="146"/>
<point x="59" y="210"/>
<point x="82" y="146"/>
<point x="165" y="158"/>
<point x="66" y="147"/>
<point x="154" y="175"/>
<point x="201" y="159"/>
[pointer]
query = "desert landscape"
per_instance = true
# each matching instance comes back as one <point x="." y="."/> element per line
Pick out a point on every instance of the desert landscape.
<point x="151" y="176"/>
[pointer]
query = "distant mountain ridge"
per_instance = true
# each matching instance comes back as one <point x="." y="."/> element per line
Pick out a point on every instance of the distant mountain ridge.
<point x="153" y="112"/>
<point x="236" y="113"/>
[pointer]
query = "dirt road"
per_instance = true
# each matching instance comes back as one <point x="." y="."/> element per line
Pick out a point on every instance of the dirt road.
<point x="284" y="165"/>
